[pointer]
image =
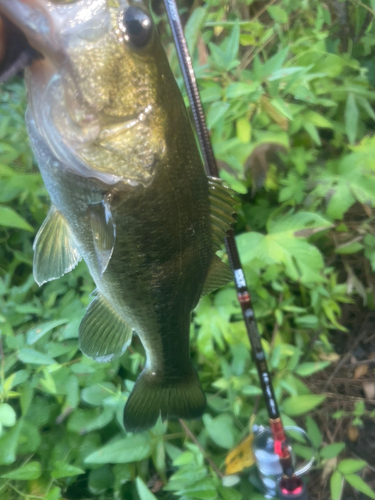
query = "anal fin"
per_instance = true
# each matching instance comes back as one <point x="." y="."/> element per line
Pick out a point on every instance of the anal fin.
<point x="219" y="274"/>
<point x="55" y="251"/>
<point x="103" y="334"/>
<point x="222" y="210"/>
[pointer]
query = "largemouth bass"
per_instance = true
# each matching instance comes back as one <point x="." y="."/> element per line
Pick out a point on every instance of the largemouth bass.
<point x="117" y="154"/>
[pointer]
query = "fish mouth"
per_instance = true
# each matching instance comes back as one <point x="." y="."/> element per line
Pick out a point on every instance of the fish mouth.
<point x="15" y="51"/>
<point x="48" y="24"/>
<point x="34" y="19"/>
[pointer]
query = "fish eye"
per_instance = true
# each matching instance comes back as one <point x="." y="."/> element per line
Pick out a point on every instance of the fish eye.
<point x="137" y="26"/>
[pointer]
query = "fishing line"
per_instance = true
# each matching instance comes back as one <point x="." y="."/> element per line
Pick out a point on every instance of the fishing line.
<point x="291" y="485"/>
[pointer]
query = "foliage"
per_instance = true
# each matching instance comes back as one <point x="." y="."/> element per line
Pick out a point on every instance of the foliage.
<point x="290" y="108"/>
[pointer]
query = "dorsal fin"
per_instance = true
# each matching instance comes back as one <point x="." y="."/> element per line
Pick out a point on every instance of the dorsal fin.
<point x="219" y="274"/>
<point x="55" y="251"/>
<point x="222" y="210"/>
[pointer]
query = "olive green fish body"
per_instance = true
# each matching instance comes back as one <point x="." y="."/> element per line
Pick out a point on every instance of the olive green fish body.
<point x="163" y="243"/>
<point x="129" y="195"/>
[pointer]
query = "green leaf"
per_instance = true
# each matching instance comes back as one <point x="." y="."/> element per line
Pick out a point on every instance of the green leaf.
<point x="39" y="331"/>
<point x="314" y="432"/>
<point x="216" y="112"/>
<point x="83" y="421"/>
<point x="233" y="183"/>
<point x="143" y="492"/>
<point x="278" y="14"/>
<point x="284" y="73"/>
<point x="59" y="348"/>
<point x="47" y="382"/>
<point x="27" y="355"/>
<point x="53" y="494"/>
<point x="251" y="390"/>
<point x="15" y="379"/>
<point x="243" y="129"/>
<point x="72" y="391"/>
<point x="248" y="244"/>
<point x="31" y="470"/>
<point x="204" y="489"/>
<point x="307" y="321"/>
<point x="173" y="451"/>
<point x="233" y="44"/>
<point x="100" y="480"/>
<point x="350" y="248"/>
<point x="10" y="218"/>
<point x="193" y="28"/>
<point x="340" y="201"/>
<point x="361" y="185"/>
<point x="336" y="485"/>
<point x="332" y="450"/>
<point x="8" y="444"/>
<point x="97" y="393"/>
<point x="27" y="393"/>
<point x="17" y="186"/>
<point x="350" y="466"/>
<point x="230" y="493"/>
<point x="219" y="57"/>
<point x="312" y="131"/>
<point x="82" y="369"/>
<point x="359" y="408"/>
<point x="302" y="260"/>
<point x="186" y="475"/>
<point x="330" y="64"/>
<point x="285" y="245"/>
<point x="7" y="415"/>
<point x="185" y="458"/>
<point x="298" y="405"/>
<point x="307" y="369"/>
<point x="366" y="106"/>
<point x="123" y="474"/>
<point x="62" y="469"/>
<point x="302" y="451"/>
<point x="299" y="224"/>
<point x="317" y="119"/>
<point x="220" y="430"/>
<point x="351" y="118"/>
<point x="212" y="93"/>
<point x="29" y="440"/>
<point x="240" y="89"/>
<point x="282" y="107"/>
<point x="274" y="63"/>
<point x="130" y="449"/>
<point x="360" y="485"/>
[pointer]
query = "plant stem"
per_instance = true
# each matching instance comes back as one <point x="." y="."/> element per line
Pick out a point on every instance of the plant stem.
<point x="201" y="449"/>
<point x="358" y="2"/>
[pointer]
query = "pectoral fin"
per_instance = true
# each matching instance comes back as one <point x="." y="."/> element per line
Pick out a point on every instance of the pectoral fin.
<point x="103" y="334"/>
<point x="222" y="210"/>
<point x="55" y="251"/>
<point x="219" y="274"/>
<point x="103" y="231"/>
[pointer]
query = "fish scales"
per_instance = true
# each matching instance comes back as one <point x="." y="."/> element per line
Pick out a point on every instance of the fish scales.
<point x="116" y="151"/>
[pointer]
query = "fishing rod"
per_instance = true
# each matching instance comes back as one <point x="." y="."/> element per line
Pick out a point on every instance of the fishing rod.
<point x="290" y="486"/>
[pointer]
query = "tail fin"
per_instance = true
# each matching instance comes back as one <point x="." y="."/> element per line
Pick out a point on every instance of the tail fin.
<point x="153" y="396"/>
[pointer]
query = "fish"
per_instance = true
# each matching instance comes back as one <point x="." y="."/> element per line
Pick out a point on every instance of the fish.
<point x="118" y="156"/>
